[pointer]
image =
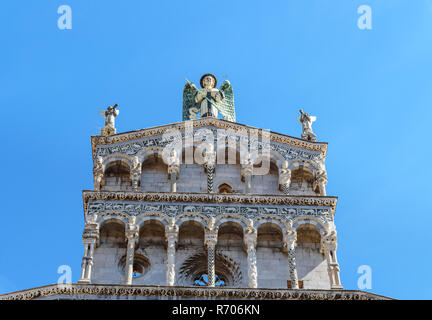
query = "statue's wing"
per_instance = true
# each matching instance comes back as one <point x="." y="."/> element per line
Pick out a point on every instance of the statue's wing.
<point x="312" y="118"/>
<point x="226" y="106"/>
<point x="102" y="113"/>
<point x="188" y="100"/>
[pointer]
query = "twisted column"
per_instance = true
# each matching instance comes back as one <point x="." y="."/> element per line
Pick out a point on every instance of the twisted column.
<point x="90" y="239"/>
<point x="250" y="240"/>
<point x="290" y="241"/>
<point x="171" y="233"/>
<point x="284" y="178"/>
<point x="211" y="241"/>
<point x="210" y="167"/>
<point x="329" y="245"/>
<point x="132" y="235"/>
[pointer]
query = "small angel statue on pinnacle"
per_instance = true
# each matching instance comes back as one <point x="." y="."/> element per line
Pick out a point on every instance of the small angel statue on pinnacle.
<point x="109" y="114"/>
<point x="208" y="100"/>
<point x="306" y="121"/>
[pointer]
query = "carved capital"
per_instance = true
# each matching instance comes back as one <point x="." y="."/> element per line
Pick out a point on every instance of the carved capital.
<point x="171" y="229"/>
<point x="247" y="169"/>
<point x="250" y="237"/>
<point x="132" y="234"/>
<point x="173" y="169"/>
<point x="210" y="238"/>
<point x="91" y="232"/>
<point x="321" y="177"/>
<point x="210" y="159"/>
<point x="329" y="241"/>
<point x="250" y="240"/>
<point x="290" y="239"/>
<point x="284" y="177"/>
<point x="284" y="174"/>
<point x="209" y="155"/>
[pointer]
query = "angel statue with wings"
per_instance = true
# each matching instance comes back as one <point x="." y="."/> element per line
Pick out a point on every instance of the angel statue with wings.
<point x="306" y="121"/>
<point x="209" y="100"/>
<point x="110" y="114"/>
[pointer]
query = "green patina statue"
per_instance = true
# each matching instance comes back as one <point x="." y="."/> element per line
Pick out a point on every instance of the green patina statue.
<point x="209" y="100"/>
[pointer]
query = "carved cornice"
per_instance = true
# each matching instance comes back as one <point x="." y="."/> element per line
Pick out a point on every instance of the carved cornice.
<point x="199" y="123"/>
<point x="103" y="292"/>
<point x="209" y="198"/>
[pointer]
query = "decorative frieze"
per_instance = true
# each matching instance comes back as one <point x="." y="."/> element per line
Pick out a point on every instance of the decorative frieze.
<point x="132" y="142"/>
<point x="129" y="208"/>
<point x="78" y="291"/>
<point x="210" y="198"/>
<point x="133" y="148"/>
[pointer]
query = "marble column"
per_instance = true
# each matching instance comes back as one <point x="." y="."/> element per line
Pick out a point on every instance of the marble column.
<point x="173" y="172"/>
<point x="173" y="169"/>
<point x="320" y="182"/>
<point x="132" y="235"/>
<point x="329" y="246"/>
<point x="250" y="240"/>
<point x="171" y="233"/>
<point x="210" y="167"/>
<point x="135" y="173"/>
<point x="98" y="173"/>
<point x="290" y="241"/>
<point x="90" y="240"/>
<point x="210" y="242"/>
<point x="284" y="178"/>
<point x="247" y="171"/>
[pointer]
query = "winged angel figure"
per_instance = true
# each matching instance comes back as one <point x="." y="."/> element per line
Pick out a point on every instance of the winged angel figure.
<point x="209" y="100"/>
<point x="306" y="121"/>
<point x="109" y="114"/>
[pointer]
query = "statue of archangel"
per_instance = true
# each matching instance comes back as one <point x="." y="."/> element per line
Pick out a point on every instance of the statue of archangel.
<point x="208" y="100"/>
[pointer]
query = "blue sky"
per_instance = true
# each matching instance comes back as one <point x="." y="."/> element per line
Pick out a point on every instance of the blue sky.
<point x="370" y="91"/>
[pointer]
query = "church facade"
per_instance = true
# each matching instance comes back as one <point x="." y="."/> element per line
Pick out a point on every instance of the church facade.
<point x="206" y="208"/>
